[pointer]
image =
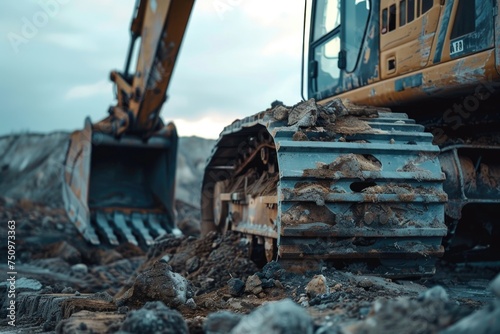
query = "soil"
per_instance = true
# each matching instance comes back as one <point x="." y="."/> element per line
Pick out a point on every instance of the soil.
<point x="82" y="288"/>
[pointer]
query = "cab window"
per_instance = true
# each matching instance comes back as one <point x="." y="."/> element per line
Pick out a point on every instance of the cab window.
<point x="324" y="72"/>
<point x="356" y="19"/>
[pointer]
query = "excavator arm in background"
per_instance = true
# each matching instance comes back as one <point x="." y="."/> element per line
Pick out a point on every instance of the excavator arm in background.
<point x="119" y="173"/>
<point x="160" y="28"/>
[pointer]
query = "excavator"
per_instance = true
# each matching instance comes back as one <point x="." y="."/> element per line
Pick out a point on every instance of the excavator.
<point x="390" y="161"/>
<point x="393" y="158"/>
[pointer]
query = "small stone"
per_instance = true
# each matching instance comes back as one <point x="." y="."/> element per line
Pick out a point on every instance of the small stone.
<point x="191" y="303"/>
<point x="337" y="107"/>
<point x="209" y="303"/>
<point x="253" y="285"/>
<point x="47" y="290"/>
<point x="365" y="283"/>
<point x="278" y="284"/>
<point x="80" y="268"/>
<point x="67" y="290"/>
<point x="221" y="322"/>
<point x="437" y="293"/>
<point x="123" y="309"/>
<point x="302" y="299"/>
<point x="267" y="283"/>
<point x="82" y="326"/>
<point x="192" y="264"/>
<point x="317" y="286"/>
<point x="299" y="136"/>
<point x="262" y="295"/>
<point x="46" y="221"/>
<point x="236" y="287"/>
<point x="280" y="112"/>
<point x="304" y="114"/>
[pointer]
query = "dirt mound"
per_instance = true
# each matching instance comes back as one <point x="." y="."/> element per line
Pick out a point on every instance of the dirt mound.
<point x="208" y="263"/>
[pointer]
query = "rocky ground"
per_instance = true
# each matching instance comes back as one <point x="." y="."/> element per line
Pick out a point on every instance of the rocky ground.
<point x="186" y="284"/>
<point x="200" y="285"/>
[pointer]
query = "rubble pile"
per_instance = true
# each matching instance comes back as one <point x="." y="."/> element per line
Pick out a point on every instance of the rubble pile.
<point x="67" y="286"/>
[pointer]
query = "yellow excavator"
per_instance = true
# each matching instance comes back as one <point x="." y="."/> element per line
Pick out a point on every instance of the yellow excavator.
<point x="340" y="178"/>
<point x="391" y="159"/>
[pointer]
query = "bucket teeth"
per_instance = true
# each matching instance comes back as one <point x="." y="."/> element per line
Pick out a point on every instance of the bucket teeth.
<point x="91" y="235"/>
<point x="137" y="228"/>
<point x="140" y="228"/>
<point x="106" y="229"/>
<point x="123" y="229"/>
<point x="155" y="225"/>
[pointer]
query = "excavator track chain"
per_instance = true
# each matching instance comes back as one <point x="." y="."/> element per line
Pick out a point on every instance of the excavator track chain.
<point x="368" y="195"/>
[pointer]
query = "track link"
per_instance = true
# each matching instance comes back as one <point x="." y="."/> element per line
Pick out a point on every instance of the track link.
<point x="359" y="190"/>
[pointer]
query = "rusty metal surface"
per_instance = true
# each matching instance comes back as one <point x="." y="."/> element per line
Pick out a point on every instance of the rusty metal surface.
<point x="121" y="189"/>
<point x="75" y="185"/>
<point x="427" y="62"/>
<point x="472" y="176"/>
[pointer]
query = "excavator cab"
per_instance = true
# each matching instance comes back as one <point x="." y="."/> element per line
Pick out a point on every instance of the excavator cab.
<point x="409" y="55"/>
<point x="119" y="173"/>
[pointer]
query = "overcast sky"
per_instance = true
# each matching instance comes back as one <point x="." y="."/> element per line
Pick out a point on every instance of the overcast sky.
<point x="55" y="56"/>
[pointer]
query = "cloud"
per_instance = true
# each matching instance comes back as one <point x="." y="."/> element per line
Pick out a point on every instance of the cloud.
<point x="236" y="67"/>
<point x="206" y="127"/>
<point x="78" y="42"/>
<point x="228" y="68"/>
<point x="84" y="91"/>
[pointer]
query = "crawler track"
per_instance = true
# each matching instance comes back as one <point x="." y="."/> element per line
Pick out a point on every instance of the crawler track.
<point x="357" y="190"/>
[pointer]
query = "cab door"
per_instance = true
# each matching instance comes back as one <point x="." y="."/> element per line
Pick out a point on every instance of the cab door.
<point x="337" y="33"/>
<point x="324" y="73"/>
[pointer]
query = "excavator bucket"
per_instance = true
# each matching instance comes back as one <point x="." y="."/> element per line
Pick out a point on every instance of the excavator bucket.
<point x="118" y="190"/>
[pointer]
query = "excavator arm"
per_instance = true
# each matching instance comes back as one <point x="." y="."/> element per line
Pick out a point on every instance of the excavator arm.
<point x="119" y="173"/>
<point x="158" y="26"/>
